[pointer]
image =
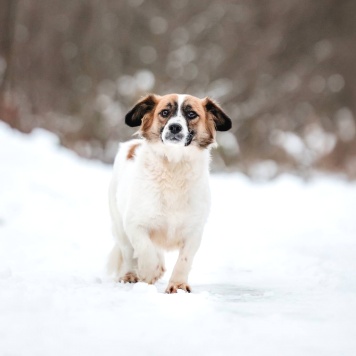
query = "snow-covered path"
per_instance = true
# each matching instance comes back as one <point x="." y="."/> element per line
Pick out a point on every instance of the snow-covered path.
<point x="275" y="275"/>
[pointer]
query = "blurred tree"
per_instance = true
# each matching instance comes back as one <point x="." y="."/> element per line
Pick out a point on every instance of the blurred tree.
<point x="284" y="71"/>
<point x="8" y="23"/>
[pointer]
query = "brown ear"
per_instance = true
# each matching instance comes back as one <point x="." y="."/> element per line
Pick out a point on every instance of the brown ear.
<point x="134" y="117"/>
<point x="221" y="120"/>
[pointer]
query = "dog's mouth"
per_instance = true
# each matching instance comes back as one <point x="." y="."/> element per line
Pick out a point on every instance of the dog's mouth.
<point x="173" y="138"/>
<point x="179" y="138"/>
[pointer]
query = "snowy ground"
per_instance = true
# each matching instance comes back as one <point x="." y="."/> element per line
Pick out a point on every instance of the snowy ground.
<point x="275" y="275"/>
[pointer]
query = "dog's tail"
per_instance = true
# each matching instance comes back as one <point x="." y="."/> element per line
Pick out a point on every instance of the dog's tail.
<point x="115" y="261"/>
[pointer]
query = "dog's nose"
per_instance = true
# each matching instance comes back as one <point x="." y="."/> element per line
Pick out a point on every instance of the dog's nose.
<point x="175" y="128"/>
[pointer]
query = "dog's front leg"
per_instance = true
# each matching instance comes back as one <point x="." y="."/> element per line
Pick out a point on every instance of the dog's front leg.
<point x="150" y="261"/>
<point x="179" y="278"/>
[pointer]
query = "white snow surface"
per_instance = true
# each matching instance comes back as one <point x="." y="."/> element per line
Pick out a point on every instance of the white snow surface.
<point x="275" y="275"/>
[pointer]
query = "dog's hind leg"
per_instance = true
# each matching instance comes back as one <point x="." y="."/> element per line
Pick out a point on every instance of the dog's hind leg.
<point x="121" y="268"/>
<point x="115" y="260"/>
<point x="121" y="263"/>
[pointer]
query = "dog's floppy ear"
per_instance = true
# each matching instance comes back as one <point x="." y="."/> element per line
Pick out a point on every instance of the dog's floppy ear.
<point x="134" y="117"/>
<point x="221" y="120"/>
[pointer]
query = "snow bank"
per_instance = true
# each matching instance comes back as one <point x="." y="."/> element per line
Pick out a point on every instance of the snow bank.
<point x="276" y="273"/>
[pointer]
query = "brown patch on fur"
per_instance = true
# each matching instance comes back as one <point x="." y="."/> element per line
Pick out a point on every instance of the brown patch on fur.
<point x="146" y="127"/>
<point x="132" y="151"/>
<point x="173" y="288"/>
<point x="153" y="123"/>
<point x="206" y="134"/>
<point x="129" y="277"/>
<point x="166" y="102"/>
<point x="203" y="125"/>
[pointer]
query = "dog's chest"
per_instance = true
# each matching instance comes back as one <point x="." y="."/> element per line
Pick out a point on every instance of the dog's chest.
<point x="172" y="190"/>
<point x="169" y="191"/>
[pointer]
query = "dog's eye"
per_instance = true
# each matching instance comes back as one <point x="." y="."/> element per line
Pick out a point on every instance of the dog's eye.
<point x="165" y="113"/>
<point x="192" y="115"/>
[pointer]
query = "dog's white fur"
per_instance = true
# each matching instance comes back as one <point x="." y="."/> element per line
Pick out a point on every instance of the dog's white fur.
<point x="159" y="195"/>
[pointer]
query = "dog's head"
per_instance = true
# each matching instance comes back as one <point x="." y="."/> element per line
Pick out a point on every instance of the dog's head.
<point x="178" y="120"/>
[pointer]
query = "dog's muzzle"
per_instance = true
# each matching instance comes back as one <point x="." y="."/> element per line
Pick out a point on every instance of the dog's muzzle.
<point x="174" y="133"/>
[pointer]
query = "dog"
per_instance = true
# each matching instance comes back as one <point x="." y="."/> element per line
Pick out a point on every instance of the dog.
<point x="159" y="195"/>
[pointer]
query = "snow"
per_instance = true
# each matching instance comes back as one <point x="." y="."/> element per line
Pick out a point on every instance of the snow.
<point x="275" y="275"/>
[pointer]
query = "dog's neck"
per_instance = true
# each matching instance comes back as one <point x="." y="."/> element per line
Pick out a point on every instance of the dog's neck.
<point x="180" y="160"/>
<point x="175" y="154"/>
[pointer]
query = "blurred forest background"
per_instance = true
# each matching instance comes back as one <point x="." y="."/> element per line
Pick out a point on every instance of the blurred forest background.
<point x="284" y="71"/>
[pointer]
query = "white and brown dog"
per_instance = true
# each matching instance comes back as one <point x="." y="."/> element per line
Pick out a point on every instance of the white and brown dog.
<point x="159" y="194"/>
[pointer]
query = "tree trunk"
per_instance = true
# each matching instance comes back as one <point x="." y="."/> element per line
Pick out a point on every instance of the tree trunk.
<point x="8" y="23"/>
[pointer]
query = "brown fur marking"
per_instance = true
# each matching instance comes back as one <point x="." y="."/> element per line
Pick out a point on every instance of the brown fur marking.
<point x="152" y="122"/>
<point x="173" y="288"/>
<point x="130" y="277"/>
<point x="132" y="151"/>
<point x="203" y="125"/>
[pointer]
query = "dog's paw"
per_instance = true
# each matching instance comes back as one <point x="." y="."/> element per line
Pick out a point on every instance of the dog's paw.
<point x="129" y="277"/>
<point x="150" y="268"/>
<point x="173" y="287"/>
